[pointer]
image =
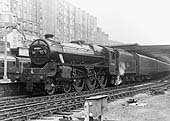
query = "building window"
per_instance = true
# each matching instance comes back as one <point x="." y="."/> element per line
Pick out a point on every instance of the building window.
<point x="35" y="27"/>
<point x="25" y="14"/>
<point x="41" y="20"/>
<point x="30" y="25"/>
<point x="41" y="31"/>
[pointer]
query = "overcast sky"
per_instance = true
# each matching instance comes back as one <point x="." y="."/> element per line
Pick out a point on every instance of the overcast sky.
<point x="146" y="22"/>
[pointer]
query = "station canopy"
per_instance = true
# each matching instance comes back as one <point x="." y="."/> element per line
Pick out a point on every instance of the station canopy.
<point x="161" y="52"/>
<point x="9" y="57"/>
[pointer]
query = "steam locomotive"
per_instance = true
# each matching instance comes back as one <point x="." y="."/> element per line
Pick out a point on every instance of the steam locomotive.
<point x="78" y="65"/>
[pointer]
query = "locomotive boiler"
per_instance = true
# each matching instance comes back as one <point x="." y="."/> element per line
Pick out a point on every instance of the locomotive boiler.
<point x="76" y="52"/>
<point x="77" y="65"/>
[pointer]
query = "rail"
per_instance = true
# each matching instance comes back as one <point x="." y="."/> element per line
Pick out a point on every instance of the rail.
<point x="36" y="107"/>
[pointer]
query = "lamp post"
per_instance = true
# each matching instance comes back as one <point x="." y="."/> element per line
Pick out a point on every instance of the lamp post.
<point x="5" y="78"/>
<point x="5" y="56"/>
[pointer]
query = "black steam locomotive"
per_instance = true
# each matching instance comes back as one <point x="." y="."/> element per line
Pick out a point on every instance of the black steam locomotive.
<point x="78" y="65"/>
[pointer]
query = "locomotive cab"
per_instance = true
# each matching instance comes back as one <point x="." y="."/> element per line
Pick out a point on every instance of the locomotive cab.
<point x="122" y="64"/>
<point x="113" y="62"/>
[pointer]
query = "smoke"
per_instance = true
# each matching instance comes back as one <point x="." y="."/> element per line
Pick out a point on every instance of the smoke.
<point x="122" y="69"/>
<point x="118" y="80"/>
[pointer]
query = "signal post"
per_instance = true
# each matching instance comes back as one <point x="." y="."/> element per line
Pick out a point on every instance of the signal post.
<point x="8" y="21"/>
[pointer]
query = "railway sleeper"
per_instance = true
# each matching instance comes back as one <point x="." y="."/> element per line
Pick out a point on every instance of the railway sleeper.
<point x="46" y="113"/>
<point x="111" y="98"/>
<point x="53" y="110"/>
<point x="41" y="108"/>
<point x="71" y="107"/>
<point x="128" y="93"/>
<point x="2" y="103"/>
<point x="19" y="118"/>
<point x="4" y="116"/>
<point x="34" y="115"/>
<point x="15" y="107"/>
<point x="64" y="108"/>
<point x="15" y="114"/>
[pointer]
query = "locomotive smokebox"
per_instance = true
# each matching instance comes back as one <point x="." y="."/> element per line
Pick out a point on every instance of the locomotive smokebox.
<point x="39" y="52"/>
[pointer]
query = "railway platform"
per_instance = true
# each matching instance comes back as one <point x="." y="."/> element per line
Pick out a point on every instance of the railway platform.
<point x="8" y="89"/>
<point x="2" y="81"/>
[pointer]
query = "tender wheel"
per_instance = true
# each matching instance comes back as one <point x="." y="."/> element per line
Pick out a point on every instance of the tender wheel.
<point x="132" y="79"/>
<point x="67" y="87"/>
<point x="91" y="83"/>
<point x="138" y="79"/>
<point x="102" y="80"/>
<point x="50" y="87"/>
<point x="78" y="84"/>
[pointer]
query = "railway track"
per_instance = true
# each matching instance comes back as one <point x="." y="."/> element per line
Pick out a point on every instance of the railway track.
<point x="32" y="108"/>
<point x="12" y="101"/>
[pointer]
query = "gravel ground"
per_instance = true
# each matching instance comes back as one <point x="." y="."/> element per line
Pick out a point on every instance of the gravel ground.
<point x="147" y="108"/>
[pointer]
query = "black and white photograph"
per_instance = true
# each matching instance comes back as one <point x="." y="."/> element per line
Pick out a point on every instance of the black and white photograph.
<point x="84" y="60"/>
